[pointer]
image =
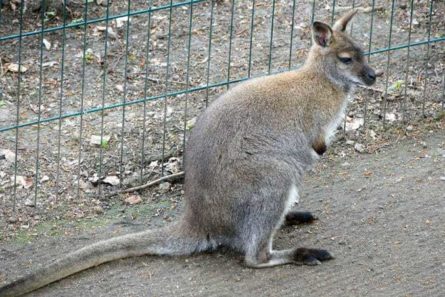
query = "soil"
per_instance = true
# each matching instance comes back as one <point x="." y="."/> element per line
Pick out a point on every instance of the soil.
<point x="382" y="216"/>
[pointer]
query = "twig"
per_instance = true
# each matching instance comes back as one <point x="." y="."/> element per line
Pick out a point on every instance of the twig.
<point x="171" y="177"/>
<point x="167" y="155"/>
<point x="361" y="9"/>
<point x="370" y="88"/>
<point x="134" y="180"/>
<point x="159" y="81"/>
<point x="1" y="68"/>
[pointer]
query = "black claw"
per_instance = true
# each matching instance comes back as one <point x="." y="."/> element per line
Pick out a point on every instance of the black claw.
<point x="322" y="255"/>
<point x="311" y="256"/>
<point x="310" y="260"/>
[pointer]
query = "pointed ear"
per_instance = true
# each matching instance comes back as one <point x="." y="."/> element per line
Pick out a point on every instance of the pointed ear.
<point x="341" y="23"/>
<point x="322" y="34"/>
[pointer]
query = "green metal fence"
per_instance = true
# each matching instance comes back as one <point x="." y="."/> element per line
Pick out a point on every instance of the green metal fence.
<point x="98" y="96"/>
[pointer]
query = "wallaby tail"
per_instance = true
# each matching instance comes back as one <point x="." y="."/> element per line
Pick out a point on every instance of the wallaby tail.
<point x="169" y="240"/>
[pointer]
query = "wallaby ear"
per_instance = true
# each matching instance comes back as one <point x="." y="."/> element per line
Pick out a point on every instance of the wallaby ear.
<point x="341" y="23"/>
<point x="322" y="34"/>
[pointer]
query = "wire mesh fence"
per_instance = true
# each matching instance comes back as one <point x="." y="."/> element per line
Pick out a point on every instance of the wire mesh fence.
<point x="96" y="95"/>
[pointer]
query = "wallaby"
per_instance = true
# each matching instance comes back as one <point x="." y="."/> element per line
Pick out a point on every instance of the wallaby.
<point x="244" y="163"/>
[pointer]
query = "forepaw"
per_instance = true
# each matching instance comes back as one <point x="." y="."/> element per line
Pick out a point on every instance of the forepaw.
<point x="299" y="217"/>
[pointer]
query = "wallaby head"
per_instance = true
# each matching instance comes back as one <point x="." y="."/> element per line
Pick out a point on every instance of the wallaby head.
<point x="338" y="56"/>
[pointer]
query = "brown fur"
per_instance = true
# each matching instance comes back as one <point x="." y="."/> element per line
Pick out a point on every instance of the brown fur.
<point x="245" y="160"/>
<point x="319" y="145"/>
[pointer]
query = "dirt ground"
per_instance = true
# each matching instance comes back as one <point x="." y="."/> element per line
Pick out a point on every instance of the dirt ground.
<point x="382" y="216"/>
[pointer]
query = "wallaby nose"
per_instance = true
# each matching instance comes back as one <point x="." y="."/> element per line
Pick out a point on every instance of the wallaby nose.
<point x="370" y="76"/>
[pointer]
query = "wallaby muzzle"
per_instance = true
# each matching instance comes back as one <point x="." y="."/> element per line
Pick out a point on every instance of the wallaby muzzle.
<point x="368" y="75"/>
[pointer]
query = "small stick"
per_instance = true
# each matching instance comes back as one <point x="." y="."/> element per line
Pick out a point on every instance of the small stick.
<point x="158" y="81"/>
<point x="361" y="9"/>
<point x="170" y="177"/>
<point x="371" y="89"/>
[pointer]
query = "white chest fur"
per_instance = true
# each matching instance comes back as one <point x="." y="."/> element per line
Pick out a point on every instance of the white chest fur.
<point x="292" y="198"/>
<point x="331" y="128"/>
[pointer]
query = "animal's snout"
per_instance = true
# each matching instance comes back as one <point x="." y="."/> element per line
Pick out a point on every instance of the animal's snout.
<point x="369" y="76"/>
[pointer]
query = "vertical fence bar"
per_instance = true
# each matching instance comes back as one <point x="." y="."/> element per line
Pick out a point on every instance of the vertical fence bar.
<point x="187" y="78"/>
<point x="209" y="57"/>
<point x="371" y="26"/>
<point x="104" y="83"/>
<point x="443" y="92"/>
<point x="346" y="112"/>
<point x="272" y="23"/>
<point x="124" y="99"/>
<point x="292" y="34"/>
<point x="82" y="95"/>
<point x="62" y="77"/>
<point x="425" y="83"/>
<point x="252" y="25"/>
<point x="19" y="74"/>
<point x="230" y="43"/>
<point x="313" y="14"/>
<point x="351" y="30"/>
<point x="385" y="94"/>
<point x="333" y="12"/>
<point x="39" y="103"/>
<point x="147" y="59"/>
<point x="167" y="76"/>
<point x="408" y="60"/>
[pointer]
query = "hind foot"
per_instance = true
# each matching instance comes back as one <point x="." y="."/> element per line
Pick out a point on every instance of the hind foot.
<point x="311" y="257"/>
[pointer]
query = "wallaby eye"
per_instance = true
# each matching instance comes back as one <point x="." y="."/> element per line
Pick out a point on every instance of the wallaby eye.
<point x="345" y="60"/>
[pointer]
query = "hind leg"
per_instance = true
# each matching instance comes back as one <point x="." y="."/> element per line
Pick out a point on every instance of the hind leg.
<point x="259" y="251"/>
<point x="265" y="257"/>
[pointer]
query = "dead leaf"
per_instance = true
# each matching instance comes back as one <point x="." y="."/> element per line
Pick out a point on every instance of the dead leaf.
<point x="30" y="202"/>
<point x="173" y="165"/>
<point x="112" y="180"/>
<point x="23" y="181"/>
<point x="354" y="123"/>
<point x="367" y="173"/>
<point x="98" y="140"/>
<point x="359" y="147"/>
<point x="190" y="123"/>
<point x="120" y="88"/>
<point x="164" y="187"/>
<point x="47" y="44"/>
<point x="8" y="155"/>
<point x="15" y="68"/>
<point x="94" y="180"/>
<point x="133" y="199"/>
<point x="111" y="33"/>
<point x="45" y="178"/>
<point x="120" y="21"/>
<point x="50" y="64"/>
<point x="390" y="117"/>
